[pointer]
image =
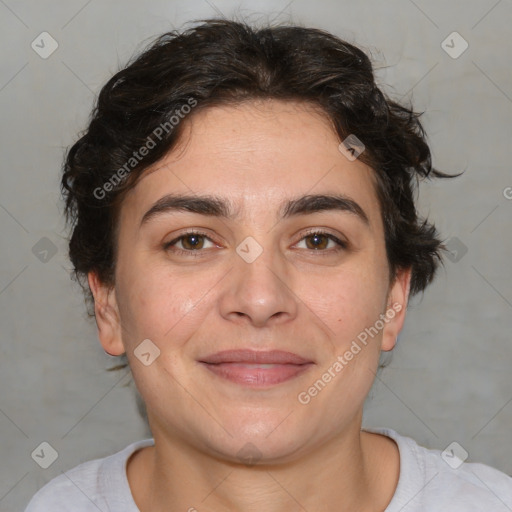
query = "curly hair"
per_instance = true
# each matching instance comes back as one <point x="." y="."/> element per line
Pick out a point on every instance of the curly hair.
<point x="220" y="62"/>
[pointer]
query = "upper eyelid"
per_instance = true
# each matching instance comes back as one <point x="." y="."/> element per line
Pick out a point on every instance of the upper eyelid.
<point x="308" y="232"/>
<point x="188" y="233"/>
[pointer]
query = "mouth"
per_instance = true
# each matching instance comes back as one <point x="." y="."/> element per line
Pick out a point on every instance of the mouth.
<point x="256" y="369"/>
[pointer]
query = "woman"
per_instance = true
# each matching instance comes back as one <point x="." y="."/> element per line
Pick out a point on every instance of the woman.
<point x="243" y="221"/>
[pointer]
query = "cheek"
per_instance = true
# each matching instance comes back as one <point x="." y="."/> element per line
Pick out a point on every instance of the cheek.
<point x="145" y="304"/>
<point x="161" y="305"/>
<point x="348" y="300"/>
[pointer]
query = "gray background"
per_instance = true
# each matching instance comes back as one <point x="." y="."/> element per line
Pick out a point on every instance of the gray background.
<point x="449" y="378"/>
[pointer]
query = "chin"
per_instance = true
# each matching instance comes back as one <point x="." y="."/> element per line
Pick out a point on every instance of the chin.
<point x="251" y="442"/>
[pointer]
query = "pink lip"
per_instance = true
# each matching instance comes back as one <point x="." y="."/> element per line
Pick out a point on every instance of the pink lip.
<point x="241" y="366"/>
<point x="254" y="357"/>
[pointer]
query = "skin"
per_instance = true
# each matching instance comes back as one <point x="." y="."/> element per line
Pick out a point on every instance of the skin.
<point x="312" y="456"/>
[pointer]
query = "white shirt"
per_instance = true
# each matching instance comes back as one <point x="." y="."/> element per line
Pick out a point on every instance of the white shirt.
<point x="427" y="483"/>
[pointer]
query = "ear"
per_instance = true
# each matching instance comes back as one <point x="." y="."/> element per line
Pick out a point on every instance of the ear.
<point x="107" y="315"/>
<point x="396" y="308"/>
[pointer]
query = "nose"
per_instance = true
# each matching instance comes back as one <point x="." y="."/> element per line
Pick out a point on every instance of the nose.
<point x="260" y="292"/>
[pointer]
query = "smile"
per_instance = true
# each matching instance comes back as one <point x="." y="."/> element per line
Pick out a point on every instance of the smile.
<point x="257" y="375"/>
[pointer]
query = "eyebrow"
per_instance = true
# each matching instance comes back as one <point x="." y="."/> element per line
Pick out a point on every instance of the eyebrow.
<point x="214" y="206"/>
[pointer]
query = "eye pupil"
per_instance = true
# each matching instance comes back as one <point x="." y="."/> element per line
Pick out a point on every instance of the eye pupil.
<point x="316" y="237"/>
<point x="196" y="240"/>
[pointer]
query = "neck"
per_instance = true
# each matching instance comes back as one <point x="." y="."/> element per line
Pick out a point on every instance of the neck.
<point x="356" y="471"/>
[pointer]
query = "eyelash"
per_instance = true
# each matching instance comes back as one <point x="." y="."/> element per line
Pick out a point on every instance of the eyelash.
<point x="341" y="244"/>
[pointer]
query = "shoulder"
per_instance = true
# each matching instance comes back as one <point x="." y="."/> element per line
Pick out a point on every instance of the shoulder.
<point x="66" y="488"/>
<point x="431" y="479"/>
<point x="89" y="486"/>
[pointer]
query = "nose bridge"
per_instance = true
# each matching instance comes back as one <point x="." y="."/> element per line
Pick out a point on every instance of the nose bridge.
<point x="258" y="287"/>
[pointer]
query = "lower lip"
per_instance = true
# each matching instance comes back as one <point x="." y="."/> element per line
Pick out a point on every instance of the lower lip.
<point x="252" y="376"/>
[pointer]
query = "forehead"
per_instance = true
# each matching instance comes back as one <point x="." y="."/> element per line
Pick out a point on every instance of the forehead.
<point x="257" y="155"/>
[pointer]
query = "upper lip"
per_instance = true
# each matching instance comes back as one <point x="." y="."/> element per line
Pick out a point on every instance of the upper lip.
<point x="255" y="357"/>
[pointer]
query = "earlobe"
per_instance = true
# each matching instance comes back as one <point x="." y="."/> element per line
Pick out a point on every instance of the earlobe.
<point x="398" y="298"/>
<point x="107" y="315"/>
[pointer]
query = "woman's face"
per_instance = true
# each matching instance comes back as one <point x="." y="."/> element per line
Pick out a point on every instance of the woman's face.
<point x="257" y="279"/>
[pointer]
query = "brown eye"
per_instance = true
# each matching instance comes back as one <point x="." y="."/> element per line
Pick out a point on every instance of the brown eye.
<point x="318" y="241"/>
<point x="191" y="243"/>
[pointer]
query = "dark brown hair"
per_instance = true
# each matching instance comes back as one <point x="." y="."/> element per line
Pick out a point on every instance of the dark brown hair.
<point x="227" y="62"/>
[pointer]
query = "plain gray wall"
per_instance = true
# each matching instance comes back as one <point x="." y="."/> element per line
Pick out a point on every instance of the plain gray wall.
<point x="449" y="378"/>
